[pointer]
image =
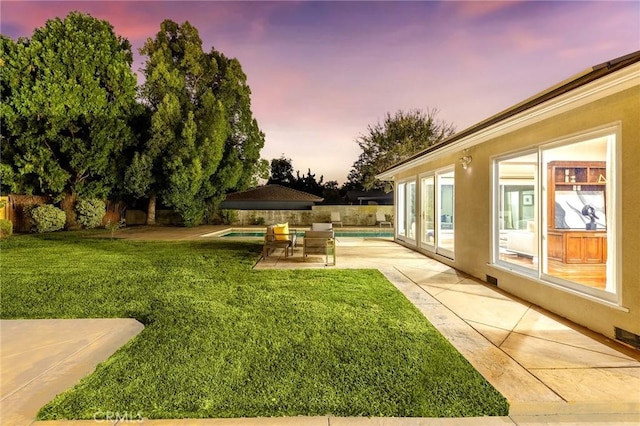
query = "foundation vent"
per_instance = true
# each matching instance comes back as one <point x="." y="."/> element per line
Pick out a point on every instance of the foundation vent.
<point x="628" y="337"/>
<point x="492" y="280"/>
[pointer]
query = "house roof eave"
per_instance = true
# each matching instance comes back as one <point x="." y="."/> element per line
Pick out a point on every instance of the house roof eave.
<point x="578" y="80"/>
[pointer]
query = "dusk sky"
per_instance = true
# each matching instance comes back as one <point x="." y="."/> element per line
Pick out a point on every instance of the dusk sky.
<point x="321" y="72"/>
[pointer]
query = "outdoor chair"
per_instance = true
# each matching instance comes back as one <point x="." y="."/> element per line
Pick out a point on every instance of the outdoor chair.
<point x="279" y="236"/>
<point x="322" y="227"/>
<point x="382" y="220"/>
<point x="320" y="242"/>
<point x="335" y="218"/>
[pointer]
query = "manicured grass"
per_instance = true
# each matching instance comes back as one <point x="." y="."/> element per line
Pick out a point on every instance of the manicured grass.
<point x="222" y="340"/>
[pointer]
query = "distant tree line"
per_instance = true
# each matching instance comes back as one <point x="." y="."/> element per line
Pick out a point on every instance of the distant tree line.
<point x="282" y="174"/>
<point x="397" y="138"/>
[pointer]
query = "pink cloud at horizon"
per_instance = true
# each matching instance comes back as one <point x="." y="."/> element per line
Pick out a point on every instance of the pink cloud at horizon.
<point x="321" y="72"/>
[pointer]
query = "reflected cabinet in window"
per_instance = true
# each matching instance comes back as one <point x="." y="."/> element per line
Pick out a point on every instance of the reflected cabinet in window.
<point x="554" y="210"/>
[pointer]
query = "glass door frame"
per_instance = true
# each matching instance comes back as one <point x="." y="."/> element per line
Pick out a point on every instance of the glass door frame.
<point x="405" y="229"/>
<point x="613" y="287"/>
<point x="400" y="208"/>
<point x="424" y="209"/>
<point x="449" y="253"/>
<point x="435" y="247"/>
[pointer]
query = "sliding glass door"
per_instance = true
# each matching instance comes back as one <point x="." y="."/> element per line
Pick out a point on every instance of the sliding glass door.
<point x="411" y="210"/>
<point x="437" y="212"/>
<point x="406" y="211"/>
<point x="445" y="203"/>
<point x="427" y="212"/>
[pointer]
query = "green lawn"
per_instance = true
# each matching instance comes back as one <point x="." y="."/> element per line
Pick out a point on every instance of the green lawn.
<point x="223" y="340"/>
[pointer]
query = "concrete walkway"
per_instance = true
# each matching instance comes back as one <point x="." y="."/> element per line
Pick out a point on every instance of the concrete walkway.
<point x="550" y="370"/>
<point x="544" y="365"/>
<point x="42" y="358"/>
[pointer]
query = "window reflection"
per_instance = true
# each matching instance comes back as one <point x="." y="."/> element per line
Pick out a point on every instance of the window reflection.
<point x="518" y="230"/>
<point x="561" y="229"/>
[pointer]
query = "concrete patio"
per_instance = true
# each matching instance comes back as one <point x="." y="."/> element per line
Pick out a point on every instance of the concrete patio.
<point x="543" y="364"/>
<point x="550" y="370"/>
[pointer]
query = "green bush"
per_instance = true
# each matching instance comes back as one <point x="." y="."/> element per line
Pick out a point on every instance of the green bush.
<point x="6" y="228"/>
<point x="229" y="217"/>
<point x="113" y="225"/>
<point x="48" y="218"/>
<point x="90" y="212"/>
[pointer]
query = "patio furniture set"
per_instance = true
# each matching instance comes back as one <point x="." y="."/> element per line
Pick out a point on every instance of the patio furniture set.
<point x="319" y="240"/>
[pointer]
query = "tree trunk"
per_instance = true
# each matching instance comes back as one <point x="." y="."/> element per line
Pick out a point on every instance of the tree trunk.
<point x="68" y="205"/>
<point x="151" y="210"/>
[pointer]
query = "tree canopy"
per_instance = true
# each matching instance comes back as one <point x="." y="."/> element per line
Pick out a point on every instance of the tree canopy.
<point x="282" y="174"/>
<point x="281" y="171"/>
<point x="395" y="139"/>
<point x="203" y="138"/>
<point x="66" y="96"/>
<point x="73" y="125"/>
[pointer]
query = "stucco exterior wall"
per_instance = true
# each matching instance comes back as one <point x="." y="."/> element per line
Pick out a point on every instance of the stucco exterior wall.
<point x="473" y="224"/>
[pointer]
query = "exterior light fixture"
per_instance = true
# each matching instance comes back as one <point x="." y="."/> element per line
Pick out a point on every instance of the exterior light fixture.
<point x="466" y="159"/>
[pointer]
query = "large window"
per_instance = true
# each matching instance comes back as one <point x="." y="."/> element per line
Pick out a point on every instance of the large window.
<point x="554" y="213"/>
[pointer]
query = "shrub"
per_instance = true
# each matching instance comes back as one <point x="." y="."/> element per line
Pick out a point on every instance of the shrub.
<point x="114" y="225"/>
<point x="229" y="217"/>
<point x="6" y="228"/>
<point x="90" y="212"/>
<point x="48" y="218"/>
<point x="192" y="216"/>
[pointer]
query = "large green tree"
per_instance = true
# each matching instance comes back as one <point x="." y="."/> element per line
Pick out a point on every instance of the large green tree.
<point x="66" y="96"/>
<point x="203" y="139"/>
<point x="395" y="139"/>
<point x="241" y="165"/>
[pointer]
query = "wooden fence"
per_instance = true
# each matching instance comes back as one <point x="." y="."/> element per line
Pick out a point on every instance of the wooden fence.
<point x="16" y="210"/>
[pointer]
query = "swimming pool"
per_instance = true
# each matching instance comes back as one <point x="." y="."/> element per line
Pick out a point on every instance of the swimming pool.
<point x="343" y="233"/>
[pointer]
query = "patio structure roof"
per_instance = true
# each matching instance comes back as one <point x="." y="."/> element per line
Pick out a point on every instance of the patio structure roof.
<point x="273" y="192"/>
<point x="270" y="197"/>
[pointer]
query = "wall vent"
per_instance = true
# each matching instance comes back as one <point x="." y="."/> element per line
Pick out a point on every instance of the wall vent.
<point x="492" y="280"/>
<point x="628" y="337"/>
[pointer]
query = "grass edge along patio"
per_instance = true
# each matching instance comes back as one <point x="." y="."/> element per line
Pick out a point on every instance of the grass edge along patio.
<point x="222" y="340"/>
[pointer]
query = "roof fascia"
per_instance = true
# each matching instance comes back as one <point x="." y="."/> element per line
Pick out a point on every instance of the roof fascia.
<point x="607" y="85"/>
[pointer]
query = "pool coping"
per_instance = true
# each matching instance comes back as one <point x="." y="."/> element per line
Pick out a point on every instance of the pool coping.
<point x="355" y="229"/>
